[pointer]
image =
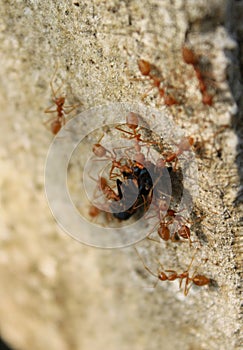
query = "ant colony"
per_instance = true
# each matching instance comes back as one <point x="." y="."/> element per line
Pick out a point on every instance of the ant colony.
<point x="135" y="175"/>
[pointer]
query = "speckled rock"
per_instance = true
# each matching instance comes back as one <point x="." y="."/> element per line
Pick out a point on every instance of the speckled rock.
<point x="56" y="293"/>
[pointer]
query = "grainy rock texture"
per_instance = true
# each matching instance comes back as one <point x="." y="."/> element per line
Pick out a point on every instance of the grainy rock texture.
<point x="58" y="294"/>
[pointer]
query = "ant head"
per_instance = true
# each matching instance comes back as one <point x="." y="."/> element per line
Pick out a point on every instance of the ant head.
<point x="169" y="100"/>
<point x="162" y="276"/>
<point x="189" y="56"/>
<point x="171" y="212"/>
<point x="163" y="204"/>
<point x="132" y="120"/>
<point x="138" y="165"/>
<point x="62" y="100"/>
<point x="190" y="140"/>
<point x="186" y="143"/>
<point x="201" y="280"/>
<point x="59" y="101"/>
<point x="144" y="67"/>
<point x="94" y="211"/>
<point x="207" y="99"/>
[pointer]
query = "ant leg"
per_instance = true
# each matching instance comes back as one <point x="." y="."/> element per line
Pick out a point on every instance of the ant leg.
<point x="148" y="269"/>
<point x="175" y="165"/>
<point x="49" y="120"/>
<point x="145" y="266"/>
<point x="48" y="110"/>
<point x="52" y="79"/>
<point x="147" y="92"/>
<point x="98" y="193"/>
<point x="139" y="79"/>
<point x="119" y="148"/>
<point x="149" y="217"/>
<point x="189" y="281"/>
<point x="73" y="107"/>
<point x="150" y="233"/>
<point x="125" y="131"/>
<point x="153" y="239"/>
<point x="188" y="285"/>
<point x="54" y="93"/>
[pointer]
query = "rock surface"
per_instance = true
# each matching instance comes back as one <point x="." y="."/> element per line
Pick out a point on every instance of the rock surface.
<point x="58" y="294"/>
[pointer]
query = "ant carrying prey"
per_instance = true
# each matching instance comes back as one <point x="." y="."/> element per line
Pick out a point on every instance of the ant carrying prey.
<point x="134" y="193"/>
<point x="133" y="173"/>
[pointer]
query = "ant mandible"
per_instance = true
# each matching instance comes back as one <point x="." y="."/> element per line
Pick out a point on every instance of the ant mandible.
<point x="162" y="275"/>
<point x="59" y="120"/>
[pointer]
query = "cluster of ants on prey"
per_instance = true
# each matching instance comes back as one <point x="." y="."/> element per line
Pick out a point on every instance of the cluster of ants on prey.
<point x="148" y="179"/>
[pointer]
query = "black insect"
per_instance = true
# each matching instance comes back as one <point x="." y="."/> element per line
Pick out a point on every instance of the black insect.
<point x="137" y="184"/>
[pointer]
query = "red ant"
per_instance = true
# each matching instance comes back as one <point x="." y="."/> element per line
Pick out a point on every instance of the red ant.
<point x="61" y="110"/>
<point x="184" y="230"/>
<point x="198" y="280"/>
<point x="102" y="152"/>
<point x="102" y="185"/>
<point x="132" y="122"/>
<point x="94" y="211"/>
<point x="107" y="190"/>
<point x="164" y="231"/>
<point x="184" y="145"/>
<point x="120" y="212"/>
<point x="153" y="73"/>
<point x="189" y="57"/>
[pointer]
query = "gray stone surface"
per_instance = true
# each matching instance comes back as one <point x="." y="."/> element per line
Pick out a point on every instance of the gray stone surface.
<point x="56" y="293"/>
